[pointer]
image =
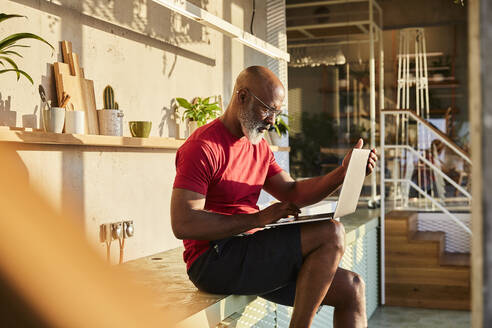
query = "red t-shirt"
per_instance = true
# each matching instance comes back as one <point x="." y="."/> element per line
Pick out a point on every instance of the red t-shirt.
<point x="229" y="171"/>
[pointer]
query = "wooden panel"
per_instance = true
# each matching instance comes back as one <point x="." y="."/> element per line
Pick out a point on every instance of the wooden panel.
<point x="428" y="296"/>
<point x="81" y="92"/>
<point x="400" y="227"/>
<point x="424" y="236"/>
<point x="410" y="260"/>
<point x="415" y="276"/>
<point x="90" y="110"/>
<point x="67" y="58"/>
<point x="401" y="215"/>
<point x="455" y="259"/>
<point x="444" y="276"/>
<point x="400" y="244"/>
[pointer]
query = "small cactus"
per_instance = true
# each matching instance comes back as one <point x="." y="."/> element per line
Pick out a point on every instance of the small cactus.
<point x="109" y="102"/>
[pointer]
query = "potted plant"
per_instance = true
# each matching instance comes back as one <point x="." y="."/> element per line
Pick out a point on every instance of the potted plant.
<point x="9" y="43"/>
<point x="111" y="117"/>
<point x="8" y="51"/>
<point x="279" y="129"/>
<point x="198" y="112"/>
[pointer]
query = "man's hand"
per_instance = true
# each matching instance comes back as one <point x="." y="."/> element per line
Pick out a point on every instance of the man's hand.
<point x="371" y="161"/>
<point x="275" y="212"/>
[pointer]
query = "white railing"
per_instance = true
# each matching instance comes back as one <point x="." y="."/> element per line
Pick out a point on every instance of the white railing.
<point x="405" y="150"/>
<point x="434" y="201"/>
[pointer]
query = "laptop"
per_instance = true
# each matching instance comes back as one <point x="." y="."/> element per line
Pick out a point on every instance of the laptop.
<point x="349" y="195"/>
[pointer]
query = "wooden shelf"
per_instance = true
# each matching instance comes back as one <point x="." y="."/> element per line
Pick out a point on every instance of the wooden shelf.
<point x="36" y="137"/>
<point x="278" y="148"/>
<point x="203" y="17"/>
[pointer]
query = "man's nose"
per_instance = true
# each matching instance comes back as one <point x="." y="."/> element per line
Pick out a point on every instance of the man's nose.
<point x="271" y="119"/>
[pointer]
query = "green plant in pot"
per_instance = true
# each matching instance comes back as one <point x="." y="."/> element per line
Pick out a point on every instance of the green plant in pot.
<point x="108" y="97"/>
<point x="280" y="126"/>
<point x="279" y="129"/>
<point x="8" y="49"/>
<point x="111" y="117"/>
<point x="199" y="111"/>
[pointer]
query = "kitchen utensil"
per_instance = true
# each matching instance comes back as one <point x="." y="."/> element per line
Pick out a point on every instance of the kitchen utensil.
<point x="42" y="94"/>
<point x="65" y="100"/>
<point x="81" y="92"/>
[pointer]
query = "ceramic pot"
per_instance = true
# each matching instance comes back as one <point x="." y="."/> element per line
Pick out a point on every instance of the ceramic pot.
<point x="192" y="126"/>
<point x="275" y="138"/>
<point x="110" y="122"/>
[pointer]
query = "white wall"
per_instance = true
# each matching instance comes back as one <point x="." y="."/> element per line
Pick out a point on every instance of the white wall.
<point x="149" y="56"/>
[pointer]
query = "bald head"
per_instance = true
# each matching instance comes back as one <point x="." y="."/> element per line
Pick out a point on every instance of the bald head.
<point x="257" y="94"/>
<point x="261" y="81"/>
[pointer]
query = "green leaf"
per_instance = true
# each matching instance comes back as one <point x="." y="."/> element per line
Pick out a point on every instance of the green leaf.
<point x="206" y="100"/>
<point x="18" y="71"/>
<point x="7" y="16"/>
<point x="183" y="103"/>
<point x="12" y="39"/>
<point x="13" y="64"/>
<point x="16" y="46"/>
<point x="10" y="52"/>
<point x="278" y="131"/>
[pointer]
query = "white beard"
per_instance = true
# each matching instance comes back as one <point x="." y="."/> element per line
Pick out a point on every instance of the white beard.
<point x="252" y="128"/>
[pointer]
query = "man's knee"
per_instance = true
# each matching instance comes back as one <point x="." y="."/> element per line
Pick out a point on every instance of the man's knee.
<point x="333" y="234"/>
<point x="329" y="235"/>
<point x="357" y="287"/>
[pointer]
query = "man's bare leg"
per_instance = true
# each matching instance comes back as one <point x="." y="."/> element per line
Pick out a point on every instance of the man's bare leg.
<point x="322" y="249"/>
<point x="347" y="295"/>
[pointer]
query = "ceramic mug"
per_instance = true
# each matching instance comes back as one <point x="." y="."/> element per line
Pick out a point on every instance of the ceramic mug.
<point x="140" y="129"/>
<point x="54" y="119"/>
<point x="74" y="122"/>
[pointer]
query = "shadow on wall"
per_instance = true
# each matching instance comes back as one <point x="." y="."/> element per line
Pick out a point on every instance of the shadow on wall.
<point x="134" y="20"/>
<point x="8" y="117"/>
<point x="170" y="119"/>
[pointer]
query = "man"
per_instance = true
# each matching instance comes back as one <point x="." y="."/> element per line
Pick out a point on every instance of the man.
<point x="220" y="171"/>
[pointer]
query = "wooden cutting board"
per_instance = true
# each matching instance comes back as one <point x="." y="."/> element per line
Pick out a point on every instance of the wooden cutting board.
<point x="81" y="91"/>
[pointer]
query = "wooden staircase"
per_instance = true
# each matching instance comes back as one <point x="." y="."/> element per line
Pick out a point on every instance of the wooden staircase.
<point x="419" y="273"/>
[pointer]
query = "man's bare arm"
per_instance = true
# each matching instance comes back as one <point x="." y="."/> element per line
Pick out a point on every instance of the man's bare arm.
<point x="310" y="191"/>
<point x="304" y="192"/>
<point x="189" y="220"/>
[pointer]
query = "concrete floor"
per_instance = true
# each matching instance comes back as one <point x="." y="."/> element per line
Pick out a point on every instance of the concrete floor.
<point x="386" y="317"/>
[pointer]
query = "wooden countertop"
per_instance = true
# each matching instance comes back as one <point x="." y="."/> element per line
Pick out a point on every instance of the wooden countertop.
<point x="165" y="273"/>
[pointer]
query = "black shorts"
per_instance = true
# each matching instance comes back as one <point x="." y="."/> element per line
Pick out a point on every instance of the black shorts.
<point x="265" y="263"/>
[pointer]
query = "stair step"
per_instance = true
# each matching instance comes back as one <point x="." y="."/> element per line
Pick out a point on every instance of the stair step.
<point x="430" y="236"/>
<point x="411" y="246"/>
<point x="400" y="223"/>
<point x="428" y="296"/>
<point x="435" y="276"/>
<point x="400" y="215"/>
<point x="419" y="273"/>
<point x="410" y="260"/>
<point x="455" y="259"/>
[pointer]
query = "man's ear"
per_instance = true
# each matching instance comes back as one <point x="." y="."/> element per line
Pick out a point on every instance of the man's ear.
<point x="242" y="94"/>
